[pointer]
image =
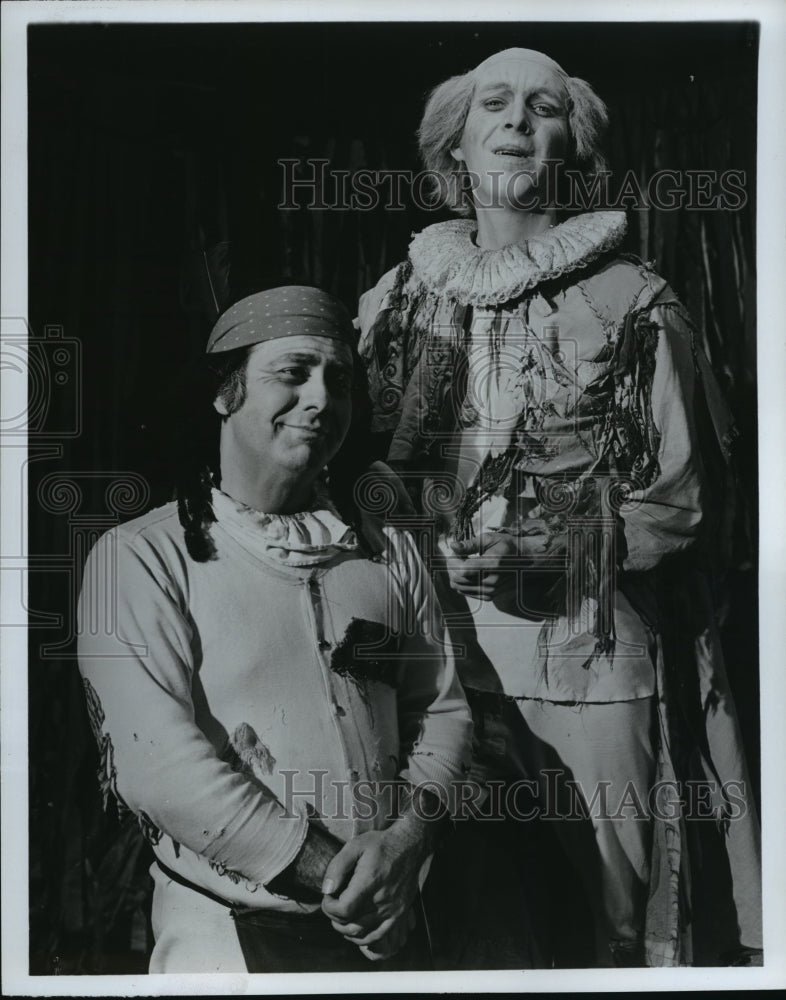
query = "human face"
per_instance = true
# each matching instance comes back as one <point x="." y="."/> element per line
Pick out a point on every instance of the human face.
<point x="296" y="410"/>
<point x="518" y="118"/>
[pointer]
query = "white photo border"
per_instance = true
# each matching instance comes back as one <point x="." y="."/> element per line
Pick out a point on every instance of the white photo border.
<point x="771" y="268"/>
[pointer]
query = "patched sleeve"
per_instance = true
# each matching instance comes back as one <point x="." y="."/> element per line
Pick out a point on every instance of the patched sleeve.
<point x="665" y="517"/>
<point x="435" y="723"/>
<point x="136" y="657"/>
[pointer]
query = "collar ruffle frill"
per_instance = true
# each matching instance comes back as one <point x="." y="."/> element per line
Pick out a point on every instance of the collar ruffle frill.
<point x="447" y="260"/>
<point x="306" y="538"/>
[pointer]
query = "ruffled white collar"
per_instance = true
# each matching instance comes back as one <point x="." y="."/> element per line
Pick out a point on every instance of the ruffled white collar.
<point x="449" y="263"/>
<point x="306" y="538"/>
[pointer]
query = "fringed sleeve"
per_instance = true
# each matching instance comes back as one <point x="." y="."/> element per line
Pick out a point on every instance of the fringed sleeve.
<point x="664" y="514"/>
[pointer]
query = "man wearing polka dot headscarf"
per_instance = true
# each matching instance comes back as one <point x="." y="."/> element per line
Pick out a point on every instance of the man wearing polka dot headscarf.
<point x="277" y="670"/>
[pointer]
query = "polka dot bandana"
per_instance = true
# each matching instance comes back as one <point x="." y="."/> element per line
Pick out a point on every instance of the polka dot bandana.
<point x="294" y="310"/>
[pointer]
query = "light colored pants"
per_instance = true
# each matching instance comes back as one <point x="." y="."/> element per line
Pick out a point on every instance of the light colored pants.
<point x="602" y="747"/>
<point x="192" y="933"/>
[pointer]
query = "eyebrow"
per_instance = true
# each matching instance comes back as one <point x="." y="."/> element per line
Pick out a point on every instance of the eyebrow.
<point x="501" y="86"/>
<point x="307" y="358"/>
<point x="304" y="357"/>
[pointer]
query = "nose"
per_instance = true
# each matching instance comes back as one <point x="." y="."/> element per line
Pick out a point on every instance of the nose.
<point x="314" y="393"/>
<point x="518" y="117"/>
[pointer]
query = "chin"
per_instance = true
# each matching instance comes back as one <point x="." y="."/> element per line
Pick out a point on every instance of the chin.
<point x="303" y="463"/>
<point x="523" y="196"/>
<point x="306" y="460"/>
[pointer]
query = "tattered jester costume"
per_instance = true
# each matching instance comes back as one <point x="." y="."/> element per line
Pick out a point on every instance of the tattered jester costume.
<point x="555" y="390"/>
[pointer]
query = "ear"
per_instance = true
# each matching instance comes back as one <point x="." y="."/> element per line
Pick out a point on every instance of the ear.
<point x="457" y="154"/>
<point x="220" y="406"/>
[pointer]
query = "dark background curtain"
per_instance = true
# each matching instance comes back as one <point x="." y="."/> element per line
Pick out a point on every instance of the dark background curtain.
<point x="150" y="143"/>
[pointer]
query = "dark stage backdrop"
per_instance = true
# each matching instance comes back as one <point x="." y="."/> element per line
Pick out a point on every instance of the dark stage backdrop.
<point x="148" y="143"/>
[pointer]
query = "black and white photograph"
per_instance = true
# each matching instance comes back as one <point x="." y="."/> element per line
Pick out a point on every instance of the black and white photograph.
<point x="392" y="434"/>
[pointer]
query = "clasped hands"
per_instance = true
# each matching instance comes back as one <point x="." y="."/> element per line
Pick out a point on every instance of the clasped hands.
<point x="481" y="567"/>
<point x="367" y="885"/>
<point x="370" y="886"/>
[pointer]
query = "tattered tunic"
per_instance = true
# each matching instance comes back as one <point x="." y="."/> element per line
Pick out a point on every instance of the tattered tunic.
<point x="290" y="676"/>
<point x="555" y="390"/>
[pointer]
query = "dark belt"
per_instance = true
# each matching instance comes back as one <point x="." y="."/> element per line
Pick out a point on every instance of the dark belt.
<point x="272" y="941"/>
<point x="181" y="880"/>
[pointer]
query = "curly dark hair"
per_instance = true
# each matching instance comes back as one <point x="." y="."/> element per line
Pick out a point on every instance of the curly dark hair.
<point x="196" y="446"/>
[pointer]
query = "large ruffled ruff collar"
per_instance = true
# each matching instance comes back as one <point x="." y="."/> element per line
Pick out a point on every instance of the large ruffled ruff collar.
<point x="306" y="538"/>
<point x="449" y="263"/>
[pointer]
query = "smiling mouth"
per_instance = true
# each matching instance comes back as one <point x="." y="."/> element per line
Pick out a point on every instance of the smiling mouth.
<point x="306" y="429"/>
<point x="515" y="151"/>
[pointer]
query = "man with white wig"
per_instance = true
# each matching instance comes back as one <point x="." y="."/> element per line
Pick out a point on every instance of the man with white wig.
<point x="547" y="402"/>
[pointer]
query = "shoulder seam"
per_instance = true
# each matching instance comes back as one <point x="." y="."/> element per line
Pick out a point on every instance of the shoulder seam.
<point x="133" y="529"/>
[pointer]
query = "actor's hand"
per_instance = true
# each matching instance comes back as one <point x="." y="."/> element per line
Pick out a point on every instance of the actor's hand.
<point x="483" y="564"/>
<point x="372" y="882"/>
<point x="393" y="941"/>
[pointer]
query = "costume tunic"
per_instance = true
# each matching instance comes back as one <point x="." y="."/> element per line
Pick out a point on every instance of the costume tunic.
<point x="555" y="391"/>
<point x="233" y="698"/>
